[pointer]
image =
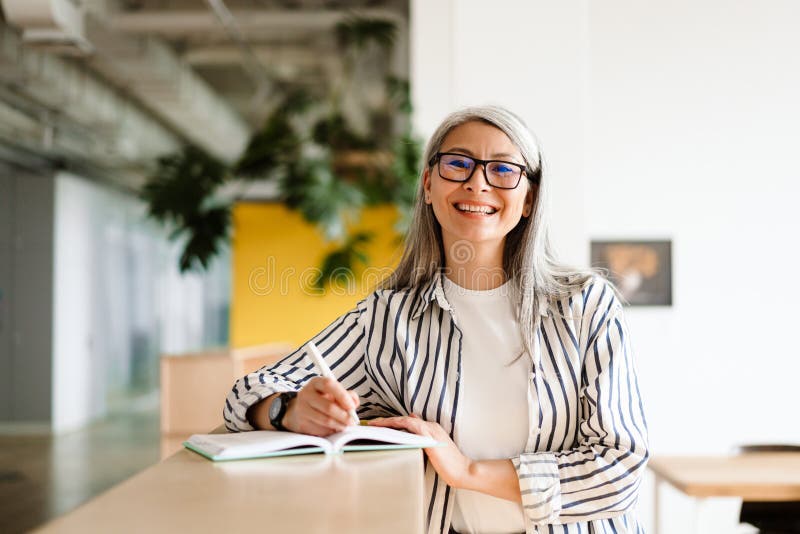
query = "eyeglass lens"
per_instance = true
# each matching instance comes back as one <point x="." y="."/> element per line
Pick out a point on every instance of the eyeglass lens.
<point x="460" y="168"/>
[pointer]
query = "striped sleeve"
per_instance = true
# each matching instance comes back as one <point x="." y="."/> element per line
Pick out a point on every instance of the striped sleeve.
<point x="600" y="477"/>
<point x="342" y="345"/>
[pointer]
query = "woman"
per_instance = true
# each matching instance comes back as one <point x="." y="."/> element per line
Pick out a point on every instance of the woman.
<point x="482" y="340"/>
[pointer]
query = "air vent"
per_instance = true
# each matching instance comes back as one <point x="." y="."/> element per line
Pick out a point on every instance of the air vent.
<point x="54" y="25"/>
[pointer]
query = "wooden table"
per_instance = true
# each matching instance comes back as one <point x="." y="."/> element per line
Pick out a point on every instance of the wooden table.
<point x="751" y="476"/>
<point x="375" y="491"/>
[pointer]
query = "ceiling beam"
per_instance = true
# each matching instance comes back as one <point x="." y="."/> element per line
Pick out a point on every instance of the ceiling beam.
<point x="159" y="78"/>
<point x="183" y="23"/>
<point x="300" y="56"/>
<point x="45" y="91"/>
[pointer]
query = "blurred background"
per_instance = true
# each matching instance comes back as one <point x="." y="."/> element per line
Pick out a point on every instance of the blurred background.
<point x="189" y="189"/>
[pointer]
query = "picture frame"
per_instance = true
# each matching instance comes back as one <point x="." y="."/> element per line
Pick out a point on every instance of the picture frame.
<point x="641" y="269"/>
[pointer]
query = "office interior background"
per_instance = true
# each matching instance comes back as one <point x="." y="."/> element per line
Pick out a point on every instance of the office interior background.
<point x="671" y="121"/>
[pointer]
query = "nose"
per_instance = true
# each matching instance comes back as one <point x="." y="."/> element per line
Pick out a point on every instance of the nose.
<point x="478" y="178"/>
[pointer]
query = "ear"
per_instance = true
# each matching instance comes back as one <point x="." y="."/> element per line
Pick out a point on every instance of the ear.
<point x="527" y="208"/>
<point x="426" y="185"/>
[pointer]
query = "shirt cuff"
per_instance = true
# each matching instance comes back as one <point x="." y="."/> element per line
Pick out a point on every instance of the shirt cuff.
<point x="540" y="486"/>
<point x="241" y="404"/>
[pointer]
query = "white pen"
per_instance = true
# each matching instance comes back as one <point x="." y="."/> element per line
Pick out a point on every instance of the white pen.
<point x="325" y="371"/>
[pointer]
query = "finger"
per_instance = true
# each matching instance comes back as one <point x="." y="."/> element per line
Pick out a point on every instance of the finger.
<point x="305" y="411"/>
<point x="309" y="427"/>
<point x="355" y="398"/>
<point x="334" y="388"/>
<point x="394" y="422"/>
<point x="324" y="420"/>
<point x="401" y="418"/>
<point x="325" y="403"/>
<point x="329" y="408"/>
<point x="380" y="421"/>
<point x="415" y="426"/>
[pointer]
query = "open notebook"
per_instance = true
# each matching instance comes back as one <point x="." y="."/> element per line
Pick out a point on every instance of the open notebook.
<point x="266" y="443"/>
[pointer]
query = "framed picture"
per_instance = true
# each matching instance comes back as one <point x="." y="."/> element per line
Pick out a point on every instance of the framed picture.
<point x="641" y="270"/>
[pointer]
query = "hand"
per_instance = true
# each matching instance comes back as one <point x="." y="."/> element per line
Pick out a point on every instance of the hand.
<point x="321" y="408"/>
<point x="448" y="461"/>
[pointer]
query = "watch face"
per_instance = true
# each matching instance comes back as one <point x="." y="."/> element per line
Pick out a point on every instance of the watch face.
<point x="275" y="407"/>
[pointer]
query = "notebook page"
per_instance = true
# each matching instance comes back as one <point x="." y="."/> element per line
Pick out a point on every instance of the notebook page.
<point x="388" y="438"/>
<point x="252" y="444"/>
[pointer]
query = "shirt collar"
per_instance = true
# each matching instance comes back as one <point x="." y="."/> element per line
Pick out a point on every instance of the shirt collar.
<point x="434" y="290"/>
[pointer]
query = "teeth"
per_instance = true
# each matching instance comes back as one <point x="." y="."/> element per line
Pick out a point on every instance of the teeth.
<point x="476" y="209"/>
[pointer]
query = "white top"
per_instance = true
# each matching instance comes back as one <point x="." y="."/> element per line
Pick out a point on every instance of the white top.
<point x="492" y="419"/>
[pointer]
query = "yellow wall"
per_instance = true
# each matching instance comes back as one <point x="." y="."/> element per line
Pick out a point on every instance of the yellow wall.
<point x="274" y="252"/>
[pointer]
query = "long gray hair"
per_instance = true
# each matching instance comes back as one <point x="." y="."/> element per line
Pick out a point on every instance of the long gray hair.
<point x="536" y="277"/>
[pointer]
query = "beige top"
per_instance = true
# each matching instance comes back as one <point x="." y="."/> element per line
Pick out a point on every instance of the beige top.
<point x="751" y="476"/>
<point x="376" y="491"/>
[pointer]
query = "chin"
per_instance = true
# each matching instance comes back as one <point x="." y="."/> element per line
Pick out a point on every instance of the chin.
<point x="476" y="237"/>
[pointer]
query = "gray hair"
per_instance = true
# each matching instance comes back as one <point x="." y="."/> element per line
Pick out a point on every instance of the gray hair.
<point x="536" y="276"/>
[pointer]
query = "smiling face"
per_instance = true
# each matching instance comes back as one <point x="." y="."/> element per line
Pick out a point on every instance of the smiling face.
<point x="474" y="210"/>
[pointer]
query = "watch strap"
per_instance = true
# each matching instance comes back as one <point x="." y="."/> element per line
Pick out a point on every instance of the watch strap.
<point x="277" y="420"/>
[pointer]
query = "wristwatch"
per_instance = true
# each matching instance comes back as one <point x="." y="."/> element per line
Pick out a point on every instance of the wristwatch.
<point x="278" y="407"/>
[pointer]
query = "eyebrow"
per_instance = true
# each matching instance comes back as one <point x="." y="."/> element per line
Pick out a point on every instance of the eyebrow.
<point x="468" y="152"/>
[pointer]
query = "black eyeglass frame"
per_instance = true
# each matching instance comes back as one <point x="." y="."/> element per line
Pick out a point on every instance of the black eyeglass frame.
<point x="533" y="176"/>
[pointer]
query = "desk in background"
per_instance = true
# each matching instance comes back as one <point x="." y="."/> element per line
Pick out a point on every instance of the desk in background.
<point x="751" y="477"/>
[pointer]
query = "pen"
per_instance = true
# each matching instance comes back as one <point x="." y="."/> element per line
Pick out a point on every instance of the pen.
<point x="325" y="371"/>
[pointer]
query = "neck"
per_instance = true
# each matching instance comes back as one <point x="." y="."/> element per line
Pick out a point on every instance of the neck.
<point x="475" y="266"/>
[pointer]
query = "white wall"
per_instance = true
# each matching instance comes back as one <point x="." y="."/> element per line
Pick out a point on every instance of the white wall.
<point x="539" y="48"/>
<point x="692" y="133"/>
<point x="673" y="120"/>
<point x="75" y="384"/>
<point x="119" y="302"/>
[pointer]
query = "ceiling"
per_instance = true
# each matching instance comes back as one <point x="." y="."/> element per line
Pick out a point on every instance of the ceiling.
<point x="163" y="72"/>
<point x="286" y="42"/>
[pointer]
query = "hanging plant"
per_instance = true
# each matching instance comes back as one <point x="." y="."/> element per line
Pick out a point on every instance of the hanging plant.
<point x="178" y="195"/>
<point x="277" y="143"/>
<point x="337" y="267"/>
<point x="358" y="32"/>
<point x="326" y="170"/>
<point x="405" y="169"/>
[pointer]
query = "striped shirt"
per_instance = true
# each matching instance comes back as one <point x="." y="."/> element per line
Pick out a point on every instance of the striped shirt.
<point x="400" y="350"/>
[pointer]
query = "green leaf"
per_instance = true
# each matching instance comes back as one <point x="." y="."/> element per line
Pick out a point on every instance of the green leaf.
<point x="275" y="145"/>
<point x="399" y="91"/>
<point x="357" y="32"/>
<point x="181" y="183"/>
<point x="339" y="265"/>
<point x="405" y="167"/>
<point x="208" y="233"/>
<point x="178" y="194"/>
<point x="310" y="187"/>
<point x="334" y="132"/>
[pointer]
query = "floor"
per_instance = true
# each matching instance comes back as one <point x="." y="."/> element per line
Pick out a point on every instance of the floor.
<point x="42" y="477"/>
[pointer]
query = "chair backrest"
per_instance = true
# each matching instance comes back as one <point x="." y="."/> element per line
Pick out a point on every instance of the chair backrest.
<point x="767" y="447"/>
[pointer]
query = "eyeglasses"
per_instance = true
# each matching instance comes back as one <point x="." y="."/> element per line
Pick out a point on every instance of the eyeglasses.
<point x="500" y="174"/>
